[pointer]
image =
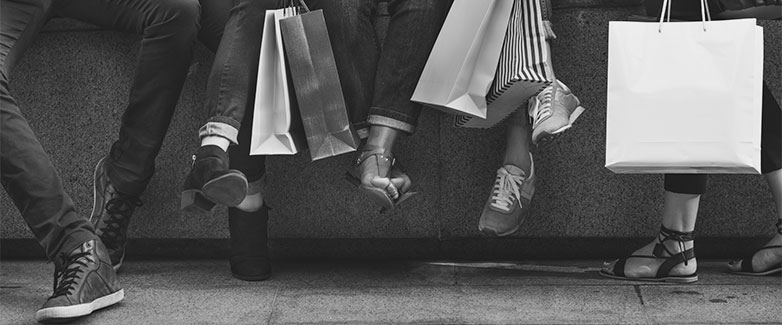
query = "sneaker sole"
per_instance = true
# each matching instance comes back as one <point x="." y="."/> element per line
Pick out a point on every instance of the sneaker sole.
<point x="547" y="139"/>
<point x="494" y="232"/>
<point x="58" y="314"/>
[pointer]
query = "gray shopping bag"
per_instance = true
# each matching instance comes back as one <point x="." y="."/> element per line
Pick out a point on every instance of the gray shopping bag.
<point x="316" y="84"/>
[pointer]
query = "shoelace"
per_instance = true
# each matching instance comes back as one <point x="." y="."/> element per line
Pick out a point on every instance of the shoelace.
<point x="66" y="277"/>
<point x="119" y="209"/>
<point x="543" y="110"/>
<point x="506" y="189"/>
<point x="679" y="237"/>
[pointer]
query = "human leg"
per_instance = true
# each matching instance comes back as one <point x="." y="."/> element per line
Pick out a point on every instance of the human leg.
<point x="514" y="185"/>
<point x="83" y="278"/>
<point x="231" y="81"/>
<point x="670" y="257"/>
<point x="247" y="222"/>
<point x="412" y="31"/>
<point x="28" y="175"/>
<point x="168" y="29"/>
<point x="768" y="259"/>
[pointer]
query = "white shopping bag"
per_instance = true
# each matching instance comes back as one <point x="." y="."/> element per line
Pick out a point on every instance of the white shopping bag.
<point x="463" y="61"/>
<point x="524" y="67"/>
<point x="276" y="126"/>
<point x="684" y="97"/>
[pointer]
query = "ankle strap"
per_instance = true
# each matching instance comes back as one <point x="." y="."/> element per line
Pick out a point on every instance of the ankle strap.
<point x="676" y="235"/>
<point x="369" y="151"/>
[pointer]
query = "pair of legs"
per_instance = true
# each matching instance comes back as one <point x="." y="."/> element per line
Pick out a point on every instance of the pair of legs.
<point x="223" y="171"/>
<point x="378" y="80"/>
<point x="658" y="260"/>
<point x="539" y="121"/>
<point x="27" y="172"/>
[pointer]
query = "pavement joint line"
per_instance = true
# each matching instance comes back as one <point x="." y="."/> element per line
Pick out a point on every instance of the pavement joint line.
<point x="638" y="293"/>
<point x="273" y="305"/>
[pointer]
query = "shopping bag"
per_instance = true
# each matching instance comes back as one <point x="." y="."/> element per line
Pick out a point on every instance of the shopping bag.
<point x="684" y="97"/>
<point x="316" y="84"/>
<point x="277" y="128"/>
<point x="463" y="61"/>
<point x="524" y="67"/>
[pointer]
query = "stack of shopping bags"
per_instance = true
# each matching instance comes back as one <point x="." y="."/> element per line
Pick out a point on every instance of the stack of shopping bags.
<point x="489" y="59"/>
<point x="684" y="97"/>
<point x="296" y="57"/>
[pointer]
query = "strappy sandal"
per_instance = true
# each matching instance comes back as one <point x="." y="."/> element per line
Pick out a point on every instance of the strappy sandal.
<point x="378" y="158"/>
<point x="660" y="251"/>
<point x="747" y="269"/>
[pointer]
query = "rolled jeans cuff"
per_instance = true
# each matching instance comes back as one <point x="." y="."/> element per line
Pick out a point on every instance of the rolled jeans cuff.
<point x="222" y="127"/>
<point x="392" y="123"/>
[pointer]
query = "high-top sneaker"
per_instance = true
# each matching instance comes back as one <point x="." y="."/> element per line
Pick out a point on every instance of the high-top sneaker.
<point x="84" y="281"/>
<point x="111" y="212"/>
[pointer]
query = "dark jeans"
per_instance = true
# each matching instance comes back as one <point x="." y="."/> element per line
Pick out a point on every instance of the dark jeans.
<point x="169" y="28"/>
<point x="233" y="31"/>
<point x="378" y="81"/>
<point x="770" y="150"/>
<point x="26" y="171"/>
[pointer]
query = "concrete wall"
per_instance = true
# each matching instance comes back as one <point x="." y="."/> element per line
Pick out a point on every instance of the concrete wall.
<point x="73" y="87"/>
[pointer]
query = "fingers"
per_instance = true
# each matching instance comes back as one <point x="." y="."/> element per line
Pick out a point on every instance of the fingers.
<point x="386" y="184"/>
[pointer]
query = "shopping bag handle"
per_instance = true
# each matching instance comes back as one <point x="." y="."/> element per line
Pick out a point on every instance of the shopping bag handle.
<point x="665" y="13"/>
<point x="297" y="6"/>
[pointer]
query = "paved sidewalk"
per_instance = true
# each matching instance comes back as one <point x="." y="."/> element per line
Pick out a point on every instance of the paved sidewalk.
<point x="202" y="291"/>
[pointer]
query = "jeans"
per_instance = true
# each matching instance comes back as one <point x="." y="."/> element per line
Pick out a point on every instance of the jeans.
<point x="770" y="150"/>
<point x="233" y="31"/>
<point x="378" y="81"/>
<point x="26" y="172"/>
<point x="169" y="29"/>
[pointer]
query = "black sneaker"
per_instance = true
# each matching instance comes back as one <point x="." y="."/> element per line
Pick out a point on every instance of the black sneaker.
<point x="84" y="281"/>
<point x="210" y="181"/>
<point x="111" y="212"/>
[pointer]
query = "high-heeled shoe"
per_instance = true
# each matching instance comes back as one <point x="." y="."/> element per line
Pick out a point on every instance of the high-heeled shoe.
<point x="210" y="182"/>
<point x="377" y="160"/>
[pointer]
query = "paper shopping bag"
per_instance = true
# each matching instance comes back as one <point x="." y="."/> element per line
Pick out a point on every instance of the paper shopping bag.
<point x="524" y="67"/>
<point x="277" y="128"/>
<point x="317" y="87"/>
<point x="463" y="61"/>
<point x="684" y="97"/>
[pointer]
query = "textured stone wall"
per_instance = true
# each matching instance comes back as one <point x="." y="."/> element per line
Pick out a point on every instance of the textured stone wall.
<point x="73" y="87"/>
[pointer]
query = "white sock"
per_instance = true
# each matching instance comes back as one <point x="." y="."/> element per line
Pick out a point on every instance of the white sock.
<point x="214" y="140"/>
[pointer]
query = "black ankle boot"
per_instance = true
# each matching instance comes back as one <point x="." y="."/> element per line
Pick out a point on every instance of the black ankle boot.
<point x="210" y="181"/>
<point x="249" y="249"/>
